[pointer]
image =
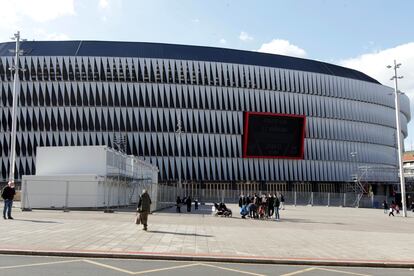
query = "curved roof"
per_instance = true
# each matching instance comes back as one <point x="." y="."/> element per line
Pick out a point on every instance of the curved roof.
<point x="174" y="51"/>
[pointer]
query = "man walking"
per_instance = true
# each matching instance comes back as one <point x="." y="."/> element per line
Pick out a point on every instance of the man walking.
<point x="144" y="208"/>
<point x="8" y="195"/>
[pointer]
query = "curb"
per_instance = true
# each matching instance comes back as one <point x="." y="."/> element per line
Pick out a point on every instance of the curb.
<point x="213" y="258"/>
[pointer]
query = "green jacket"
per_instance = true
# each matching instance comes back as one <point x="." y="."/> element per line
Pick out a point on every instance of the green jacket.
<point x="144" y="203"/>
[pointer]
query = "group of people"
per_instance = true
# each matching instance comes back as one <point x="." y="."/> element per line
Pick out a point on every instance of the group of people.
<point x="261" y="207"/>
<point x="185" y="201"/>
<point x="393" y="208"/>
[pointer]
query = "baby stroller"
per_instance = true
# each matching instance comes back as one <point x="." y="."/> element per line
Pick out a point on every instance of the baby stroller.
<point x="222" y="210"/>
<point x="261" y="212"/>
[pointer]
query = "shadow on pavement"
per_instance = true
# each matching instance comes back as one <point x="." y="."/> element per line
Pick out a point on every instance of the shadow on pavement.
<point x="297" y="220"/>
<point x="178" y="233"/>
<point x="37" y="221"/>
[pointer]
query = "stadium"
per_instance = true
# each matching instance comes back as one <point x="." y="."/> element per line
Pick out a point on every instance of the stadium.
<point x="212" y="118"/>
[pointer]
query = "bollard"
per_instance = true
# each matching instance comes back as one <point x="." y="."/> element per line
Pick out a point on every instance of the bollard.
<point x="65" y="209"/>
<point x="295" y="198"/>
<point x="329" y="199"/>
<point x="344" y="199"/>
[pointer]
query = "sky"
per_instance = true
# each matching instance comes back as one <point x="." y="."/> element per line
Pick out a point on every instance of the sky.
<point x="365" y="35"/>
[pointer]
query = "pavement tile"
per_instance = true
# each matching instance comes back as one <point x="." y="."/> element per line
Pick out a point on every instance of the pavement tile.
<point x="304" y="232"/>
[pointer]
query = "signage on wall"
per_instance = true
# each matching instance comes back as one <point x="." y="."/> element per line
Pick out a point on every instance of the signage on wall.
<point x="272" y="135"/>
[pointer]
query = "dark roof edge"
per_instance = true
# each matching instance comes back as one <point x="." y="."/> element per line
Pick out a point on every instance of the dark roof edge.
<point x="177" y="51"/>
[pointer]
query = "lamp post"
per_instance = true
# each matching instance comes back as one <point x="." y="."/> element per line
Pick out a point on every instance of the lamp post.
<point x="120" y="143"/>
<point x="399" y="141"/>
<point x="16" y="90"/>
<point x="179" y="131"/>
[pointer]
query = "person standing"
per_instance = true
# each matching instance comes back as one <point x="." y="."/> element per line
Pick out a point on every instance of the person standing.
<point x="188" y="202"/>
<point x="242" y="202"/>
<point x="385" y="206"/>
<point x="8" y="195"/>
<point x="196" y="204"/>
<point x="270" y="204"/>
<point x="392" y="207"/>
<point x="178" y="202"/>
<point x="248" y="200"/>
<point x="144" y="208"/>
<point x="276" y="205"/>
<point x="282" y="202"/>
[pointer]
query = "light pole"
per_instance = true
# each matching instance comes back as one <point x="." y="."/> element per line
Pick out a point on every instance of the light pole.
<point x="179" y="131"/>
<point x="399" y="141"/>
<point x="120" y="143"/>
<point x="16" y="91"/>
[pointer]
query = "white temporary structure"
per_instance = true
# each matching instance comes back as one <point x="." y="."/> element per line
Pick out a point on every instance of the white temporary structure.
<point x="85" y="177"/>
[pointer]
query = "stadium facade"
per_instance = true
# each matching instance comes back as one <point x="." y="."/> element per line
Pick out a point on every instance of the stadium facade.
<point x="91" y="92"/>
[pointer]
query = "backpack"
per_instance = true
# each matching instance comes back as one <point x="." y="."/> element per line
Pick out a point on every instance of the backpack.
<point x="3" y="192"/>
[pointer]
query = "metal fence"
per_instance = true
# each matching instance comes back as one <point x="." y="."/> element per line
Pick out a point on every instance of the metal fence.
<point x="294" y="198"/>
<point x="107" y="193"/>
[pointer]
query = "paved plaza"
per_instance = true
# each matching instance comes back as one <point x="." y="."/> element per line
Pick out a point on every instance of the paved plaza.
<point x="304" y="234"/>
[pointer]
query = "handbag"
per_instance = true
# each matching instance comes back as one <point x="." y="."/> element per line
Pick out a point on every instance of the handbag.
<point x="138" y="219"/>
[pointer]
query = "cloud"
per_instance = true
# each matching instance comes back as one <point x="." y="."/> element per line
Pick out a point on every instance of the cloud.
<point x="245" y="36"/>
<point x="282" y="47"/>
<point x="103" y="4"/>
<point x="41" y="34"/>
<point x="374" y="64"/>
<point x="13" y="12"/>
<point x="223" y="41"/>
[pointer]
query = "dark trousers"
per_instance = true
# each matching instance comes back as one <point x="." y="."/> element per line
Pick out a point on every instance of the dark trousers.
<point x="144" y="218"/>
<point x="277" y="216"/>
<point x="270" y="211"/>
<point x="8" y="204"/>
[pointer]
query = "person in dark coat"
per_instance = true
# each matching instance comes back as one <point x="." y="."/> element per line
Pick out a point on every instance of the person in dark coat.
<point x="276" y="205"/>
<point x="252" y="209"/>
<point x="188" y="201"/>
<point x="178" y="204"/>
<point x="144" y="208"/>
<point x="248" y="200"/>
<point x="270" y="204"/>
<point x="385" y="206"/>
<point x="195" y="204"/>
<point x="8" y="196"/>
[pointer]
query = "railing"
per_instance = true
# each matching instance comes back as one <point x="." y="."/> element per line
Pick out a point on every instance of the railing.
<point x="294" y="198"/>
<point x="106" y="193"/>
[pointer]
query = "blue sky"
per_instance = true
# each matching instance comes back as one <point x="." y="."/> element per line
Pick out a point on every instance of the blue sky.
<point x="362" y="34"/>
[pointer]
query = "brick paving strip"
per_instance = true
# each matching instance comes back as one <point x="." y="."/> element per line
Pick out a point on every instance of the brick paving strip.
<point x="305" y="235"/>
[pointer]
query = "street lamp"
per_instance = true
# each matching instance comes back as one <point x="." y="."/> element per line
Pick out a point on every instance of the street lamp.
<point x="120" y="143"/>
<point x="16" y="90"/>
<point x="399" y="141"/>
<point x="179" y="131"/>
